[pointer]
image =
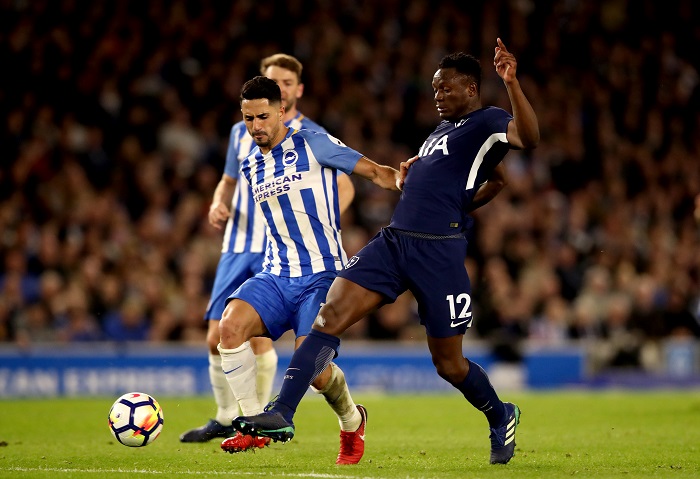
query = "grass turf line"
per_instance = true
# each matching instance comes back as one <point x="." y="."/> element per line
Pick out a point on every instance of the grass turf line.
<point x="562" y="434"/>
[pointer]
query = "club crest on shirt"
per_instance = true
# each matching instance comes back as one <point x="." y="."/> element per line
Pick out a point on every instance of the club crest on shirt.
<point x="352" y="261"/>
<point x="289" y="158"/>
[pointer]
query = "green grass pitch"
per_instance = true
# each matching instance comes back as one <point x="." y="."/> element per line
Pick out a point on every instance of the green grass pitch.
<point x="561" y="434"/>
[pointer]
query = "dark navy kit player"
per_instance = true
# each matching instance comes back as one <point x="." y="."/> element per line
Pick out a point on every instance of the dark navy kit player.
<point x="424" y="247"/>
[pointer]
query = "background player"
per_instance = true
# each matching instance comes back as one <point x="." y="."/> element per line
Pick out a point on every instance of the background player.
<point x="423" y="250"/>
<point x="292" y="175"/>
<point x="242" y="254"/>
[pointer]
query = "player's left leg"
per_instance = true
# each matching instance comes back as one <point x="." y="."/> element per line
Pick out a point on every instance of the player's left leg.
<point x="331" y="382"/>
<point x="351" y="417"/>
<point x="440" y="284"/>
<point x="471" y="380"/>
<point x="266" y="361"/>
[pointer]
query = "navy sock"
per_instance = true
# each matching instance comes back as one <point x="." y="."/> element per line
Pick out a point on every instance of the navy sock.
<point x="309" y="360"/>
<point x="477" y="389"/>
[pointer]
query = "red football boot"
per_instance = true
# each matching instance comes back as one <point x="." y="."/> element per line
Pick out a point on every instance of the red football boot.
<point x="352" y="444"/>
<point x="240" y="443"/>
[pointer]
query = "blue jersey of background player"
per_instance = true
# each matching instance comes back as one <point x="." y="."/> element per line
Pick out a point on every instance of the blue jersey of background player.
<point x="424" y="248"/>
<point x="242" y="251"/>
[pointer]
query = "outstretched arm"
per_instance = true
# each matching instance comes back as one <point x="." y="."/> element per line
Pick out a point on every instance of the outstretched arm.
<point x="523" y="131"/>
<point x="384" y="176"/>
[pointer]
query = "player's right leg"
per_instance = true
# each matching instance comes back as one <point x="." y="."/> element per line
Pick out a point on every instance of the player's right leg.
<point x="258" y="308"/>
<point x="266" y="366"/>
<point x="232" y="271"/>
<point x="226" y="404"/>
<point x="240" y="323"/>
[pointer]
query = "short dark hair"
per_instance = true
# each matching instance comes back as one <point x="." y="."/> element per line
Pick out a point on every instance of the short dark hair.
<point x="465" y="64"/>
<point x="261" y="87"/>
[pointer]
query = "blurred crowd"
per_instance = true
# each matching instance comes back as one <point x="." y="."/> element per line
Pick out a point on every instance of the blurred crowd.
<point x="115" y="125"/>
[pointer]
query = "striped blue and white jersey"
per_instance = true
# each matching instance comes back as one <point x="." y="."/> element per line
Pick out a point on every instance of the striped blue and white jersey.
<point x="295" y="186"/>
<point x="245" y="229"/>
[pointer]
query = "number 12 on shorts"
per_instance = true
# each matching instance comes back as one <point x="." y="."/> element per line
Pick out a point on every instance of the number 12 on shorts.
<point x="455" y="303"/>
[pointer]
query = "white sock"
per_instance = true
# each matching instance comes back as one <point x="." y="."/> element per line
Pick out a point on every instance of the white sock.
<point x="337" y="395"/>
<point x="239" y="367"/>
<point x="267" y="368"/>
<point x="226" y="404"/>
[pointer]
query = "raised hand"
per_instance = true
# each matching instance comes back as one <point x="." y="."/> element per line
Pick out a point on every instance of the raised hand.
<point x="505" y="62"/>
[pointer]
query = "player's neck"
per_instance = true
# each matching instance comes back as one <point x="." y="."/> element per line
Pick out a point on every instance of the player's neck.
<point x="276" y="141"/>
<point x="290" y="115"/>
<point x="472" y="107"/>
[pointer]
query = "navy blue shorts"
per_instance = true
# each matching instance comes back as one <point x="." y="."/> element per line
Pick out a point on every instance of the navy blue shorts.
<point x="232" y="271"/>
<point x="432" y="268"/>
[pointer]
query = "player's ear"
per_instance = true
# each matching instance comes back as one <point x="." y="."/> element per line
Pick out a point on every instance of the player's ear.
<point x="472" y="89"/>
<point x="300" y="90"/>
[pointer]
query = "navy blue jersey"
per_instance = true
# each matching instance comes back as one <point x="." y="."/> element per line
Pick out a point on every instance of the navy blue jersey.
<point x="454" y="161"/>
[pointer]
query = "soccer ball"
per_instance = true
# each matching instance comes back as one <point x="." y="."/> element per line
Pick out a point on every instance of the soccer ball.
<point x="135" y="419"/>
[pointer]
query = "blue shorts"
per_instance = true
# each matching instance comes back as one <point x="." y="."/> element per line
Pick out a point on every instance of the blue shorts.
<point x="232" y="271"/>
<point x="286" y="303"/>
<point x="432" y="269"/>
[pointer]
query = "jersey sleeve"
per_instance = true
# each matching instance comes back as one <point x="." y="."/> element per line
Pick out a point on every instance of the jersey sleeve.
<point x="330" y="151"/>
<point x="497" y="119"/>
<point x="312" y="125"/>
<point x="231" y="165"/>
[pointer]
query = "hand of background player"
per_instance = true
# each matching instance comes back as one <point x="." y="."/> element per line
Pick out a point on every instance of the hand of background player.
<point x="218" y="215"/>
<point x="403" y="170"/>
<point x="505" y="63"/>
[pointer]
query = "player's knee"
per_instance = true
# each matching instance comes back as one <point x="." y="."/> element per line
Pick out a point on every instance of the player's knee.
<point x="451" y="371"/>
<point x="232" y="331"/>
<point x="213" y="338"/>
<point x="328" y="320"/>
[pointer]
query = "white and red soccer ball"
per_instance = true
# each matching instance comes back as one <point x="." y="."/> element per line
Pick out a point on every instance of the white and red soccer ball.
<point x="135" y="419"/>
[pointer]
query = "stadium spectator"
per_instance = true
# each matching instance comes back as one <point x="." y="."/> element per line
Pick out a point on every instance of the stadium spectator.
<point x="93" y="86"/>
<point x="129" y="323"/>
<point x="75" y="323"/>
